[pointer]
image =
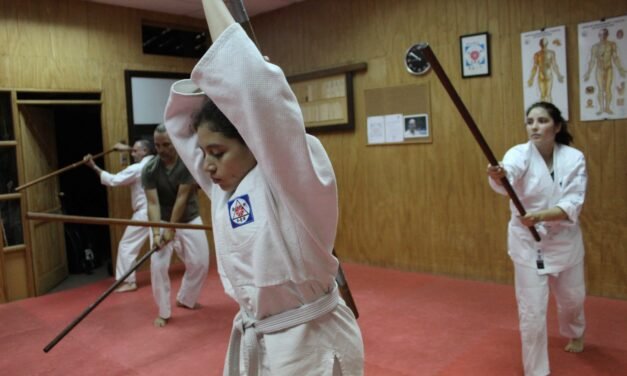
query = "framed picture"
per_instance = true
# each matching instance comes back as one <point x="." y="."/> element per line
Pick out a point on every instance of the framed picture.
<point x="325" y="97"/>
<point x="475" y="55"/>
<point x="416" y="126"/>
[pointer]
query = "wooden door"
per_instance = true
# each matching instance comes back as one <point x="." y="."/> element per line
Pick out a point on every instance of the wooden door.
<point x="40" y="158"/>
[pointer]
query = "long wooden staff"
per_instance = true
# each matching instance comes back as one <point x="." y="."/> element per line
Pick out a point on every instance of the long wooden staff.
<point x="106" y="221"/>
<point x="102" y="297"/>
<point x="111" y="221"/>
<point x="57" y="172"/>
<point x="430" y="56"/>
<point x="238" y="11"/>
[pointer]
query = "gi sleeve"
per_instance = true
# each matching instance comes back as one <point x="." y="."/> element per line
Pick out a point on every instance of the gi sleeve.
<point x="515" y="162"/>
<point x="573" y="187"/>
<point x="182" y="105"/>
<point x="125" y="177"/>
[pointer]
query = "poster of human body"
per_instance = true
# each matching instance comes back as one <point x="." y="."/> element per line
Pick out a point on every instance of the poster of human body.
<point x="602" y="71"/>
<point x="544" y="67"/>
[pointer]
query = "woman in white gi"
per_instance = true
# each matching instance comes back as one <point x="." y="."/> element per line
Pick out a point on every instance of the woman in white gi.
<point x="550" y="179"/>
<point x="238" y="127"/>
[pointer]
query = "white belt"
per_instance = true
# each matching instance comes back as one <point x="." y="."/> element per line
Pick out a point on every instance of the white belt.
<point x="250" y="328"/>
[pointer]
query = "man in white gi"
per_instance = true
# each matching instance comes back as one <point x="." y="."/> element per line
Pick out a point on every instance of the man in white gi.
<point x="238" y="127"/>
<point x="134" y="237"/>
<point x="550" y="179"/>
<point x="171" y="194"/>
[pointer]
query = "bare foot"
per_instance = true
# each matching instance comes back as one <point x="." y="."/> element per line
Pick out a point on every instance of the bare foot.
<point x="179" y="304"/>
<point x="575" y="345"/>
<point x="126" y="287"/>
<point x="160" y="322"/>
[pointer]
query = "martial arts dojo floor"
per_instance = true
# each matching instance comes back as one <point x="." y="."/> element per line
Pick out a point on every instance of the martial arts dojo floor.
<point x="412" y="324"/>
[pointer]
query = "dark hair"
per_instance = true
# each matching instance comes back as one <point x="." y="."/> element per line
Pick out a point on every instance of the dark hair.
<point x="210" y="115"/>
<point x="563" y="136"/>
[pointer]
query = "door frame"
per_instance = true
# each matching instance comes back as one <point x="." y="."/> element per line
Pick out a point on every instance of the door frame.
<point x="21" y="255"/>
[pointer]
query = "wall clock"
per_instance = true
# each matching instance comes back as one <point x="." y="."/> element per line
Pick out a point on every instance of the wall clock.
<point x="415" y="61"/>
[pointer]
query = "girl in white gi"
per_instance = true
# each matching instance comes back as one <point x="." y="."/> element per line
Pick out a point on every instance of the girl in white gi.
<point x="274" y="209"/>
<point x="550" y="179"/>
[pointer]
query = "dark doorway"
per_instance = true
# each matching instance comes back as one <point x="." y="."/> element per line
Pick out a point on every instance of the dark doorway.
<point x="79" y="132"/>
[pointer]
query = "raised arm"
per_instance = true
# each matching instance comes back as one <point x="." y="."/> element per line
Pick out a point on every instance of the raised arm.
<point x="185" y="99"/>
<point x="218" y="17"/>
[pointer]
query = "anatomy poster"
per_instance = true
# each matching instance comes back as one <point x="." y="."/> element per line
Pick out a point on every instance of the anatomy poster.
<point x="544" y="67"/>
<point x="602" y="74"/>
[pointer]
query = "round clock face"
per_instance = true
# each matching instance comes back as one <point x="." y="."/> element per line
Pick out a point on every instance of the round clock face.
<point x="415" y="60"/>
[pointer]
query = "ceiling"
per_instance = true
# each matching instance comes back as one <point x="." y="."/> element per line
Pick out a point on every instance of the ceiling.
<point x="193" y="8"/>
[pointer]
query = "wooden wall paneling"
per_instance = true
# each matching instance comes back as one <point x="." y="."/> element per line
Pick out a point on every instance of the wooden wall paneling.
<point x="583" y="12"/>
<point x="16" y="275"/>
<point x="8" y="40"/>
<point x="66" y="43"/>
<point x="114" y="129"/>
<point x="307" y="36"/>
<point x="459" y="236"/>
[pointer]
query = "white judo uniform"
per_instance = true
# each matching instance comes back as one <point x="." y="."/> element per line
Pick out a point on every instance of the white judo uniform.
<point x="275" y="233"/>
<point x="134" y="237"/>
<point x="560" y="252"/>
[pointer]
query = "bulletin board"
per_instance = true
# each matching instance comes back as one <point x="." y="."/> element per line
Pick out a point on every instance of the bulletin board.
<point x="408" y="101"/>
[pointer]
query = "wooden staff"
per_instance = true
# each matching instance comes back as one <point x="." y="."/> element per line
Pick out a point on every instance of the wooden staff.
<point x="472" y="126"/>
<point x="102" y="297"/>
<point x="111" y="221"/>
<point x="57" y="172"/>
<point x="238" y="11"/>
<point x="345" y="291"/>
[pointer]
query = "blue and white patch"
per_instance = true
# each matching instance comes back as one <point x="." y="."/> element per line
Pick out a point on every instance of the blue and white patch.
<point x="240" y="211"/>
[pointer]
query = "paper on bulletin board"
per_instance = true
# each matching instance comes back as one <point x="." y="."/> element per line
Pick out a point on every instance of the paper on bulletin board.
<point x="376" y="129"/>
<point x="394" y="128"/>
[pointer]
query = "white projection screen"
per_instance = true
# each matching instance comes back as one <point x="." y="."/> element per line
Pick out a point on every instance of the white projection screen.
<point x="146" y="96"/>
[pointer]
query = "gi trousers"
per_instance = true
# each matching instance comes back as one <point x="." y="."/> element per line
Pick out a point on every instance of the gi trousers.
<point x="192" y="248"/>
<point x="131" y="243"/>
<point x="532" y="295"/>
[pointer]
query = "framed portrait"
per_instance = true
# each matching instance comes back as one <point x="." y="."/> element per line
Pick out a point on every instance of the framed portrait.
<point x="416" y="126"/>
<point x="475" y="55"/>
